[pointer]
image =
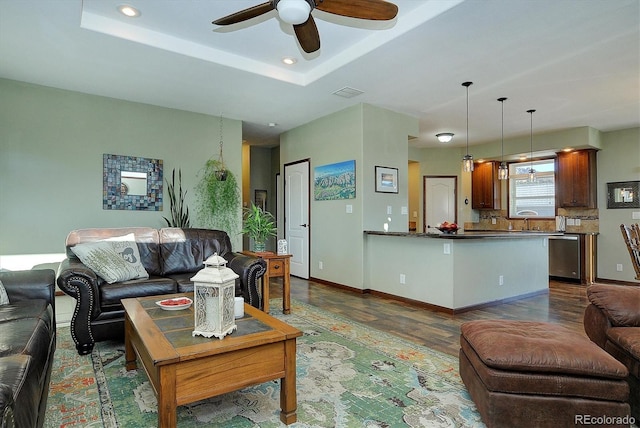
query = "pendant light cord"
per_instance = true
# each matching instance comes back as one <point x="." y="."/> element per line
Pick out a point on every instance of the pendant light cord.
<point x="502" y="100"/>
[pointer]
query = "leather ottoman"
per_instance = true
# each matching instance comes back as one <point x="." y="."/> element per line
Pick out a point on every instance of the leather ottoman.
<point x="533" y="374"/>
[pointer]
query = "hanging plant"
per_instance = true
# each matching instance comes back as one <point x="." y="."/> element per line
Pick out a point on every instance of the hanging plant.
<point x="218" y="198"/>
<point x="179" y="212"/>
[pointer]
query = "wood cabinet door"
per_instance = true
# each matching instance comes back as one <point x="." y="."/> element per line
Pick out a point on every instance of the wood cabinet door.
<point x="485" y="186"/>
<point x="576" y="179"/>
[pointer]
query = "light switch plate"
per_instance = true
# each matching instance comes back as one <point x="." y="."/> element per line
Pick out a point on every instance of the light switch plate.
<point x="349" y="209"/>
<point x="635" y="215"/>
<point x="389" y="209"/>
<point x="404" y="211"/>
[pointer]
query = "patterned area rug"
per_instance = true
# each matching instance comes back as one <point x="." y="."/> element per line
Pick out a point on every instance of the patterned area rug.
<point x="348" y="375"/>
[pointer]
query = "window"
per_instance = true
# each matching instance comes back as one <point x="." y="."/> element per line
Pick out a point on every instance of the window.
<point x="532" y="199"/>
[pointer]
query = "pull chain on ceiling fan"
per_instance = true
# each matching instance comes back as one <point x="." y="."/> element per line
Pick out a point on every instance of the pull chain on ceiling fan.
<point x="298" y="13"/>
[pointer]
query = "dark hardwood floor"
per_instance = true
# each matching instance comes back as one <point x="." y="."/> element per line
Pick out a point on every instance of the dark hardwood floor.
<point x="564" y="304"/>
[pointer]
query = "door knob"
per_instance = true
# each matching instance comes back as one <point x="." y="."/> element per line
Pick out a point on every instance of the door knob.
<point x="303" y="225"/>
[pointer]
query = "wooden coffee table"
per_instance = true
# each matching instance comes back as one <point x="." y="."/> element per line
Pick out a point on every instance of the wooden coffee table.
<point x="183" y="369"/>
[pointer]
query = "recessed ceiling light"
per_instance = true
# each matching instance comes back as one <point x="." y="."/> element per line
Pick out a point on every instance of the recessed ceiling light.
<point x="289" y="61"/>
<point x="129" y="11"/>
<point x="272" y="124"/>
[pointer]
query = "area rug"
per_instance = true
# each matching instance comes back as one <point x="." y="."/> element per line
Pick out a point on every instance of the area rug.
<point x="348" y="375"/>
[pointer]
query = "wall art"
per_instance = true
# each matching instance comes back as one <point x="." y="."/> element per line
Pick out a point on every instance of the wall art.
<point x="335" y="181"/>
<point x="131" y="183"/>
<point x="386" y="179"/>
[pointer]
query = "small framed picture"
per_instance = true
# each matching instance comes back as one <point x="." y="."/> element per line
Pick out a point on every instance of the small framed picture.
<point x="282" y="247"/>
<point x="386" y="179"/>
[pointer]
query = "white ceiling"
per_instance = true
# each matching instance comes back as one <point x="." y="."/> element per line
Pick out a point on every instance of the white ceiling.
<point x="577" y="62"/>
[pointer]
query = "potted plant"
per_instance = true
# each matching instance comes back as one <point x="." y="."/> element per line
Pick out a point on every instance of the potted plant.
<point x="179" y="212"/>
<point x="218" y="198"/>
<point x="259" y="225"/>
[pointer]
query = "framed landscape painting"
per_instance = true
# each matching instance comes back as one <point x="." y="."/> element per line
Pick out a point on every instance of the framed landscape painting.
<point x="335" y="181"/>
<point x="386" y="179"/>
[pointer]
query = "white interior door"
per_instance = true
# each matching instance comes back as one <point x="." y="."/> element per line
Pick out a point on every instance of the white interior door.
<point x="296" y="221"/>
<point x="440" y="200"/>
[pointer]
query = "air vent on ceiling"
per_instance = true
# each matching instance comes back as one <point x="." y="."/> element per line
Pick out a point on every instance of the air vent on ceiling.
<point x="348" y="92"/>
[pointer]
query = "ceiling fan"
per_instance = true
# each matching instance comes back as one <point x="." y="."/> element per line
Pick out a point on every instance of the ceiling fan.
<point x="298" y="14"/>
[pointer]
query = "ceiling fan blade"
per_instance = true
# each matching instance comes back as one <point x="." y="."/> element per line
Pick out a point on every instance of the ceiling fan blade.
<point x="377" y="10"/>
<point x="245" y="14"/>
<point x="307" y="35"/>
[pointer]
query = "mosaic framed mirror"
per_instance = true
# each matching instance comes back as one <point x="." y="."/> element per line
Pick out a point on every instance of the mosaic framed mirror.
<point x="131" y="183"/>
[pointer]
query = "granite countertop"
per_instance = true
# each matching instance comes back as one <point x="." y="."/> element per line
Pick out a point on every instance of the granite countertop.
<point x="470" y="234"/>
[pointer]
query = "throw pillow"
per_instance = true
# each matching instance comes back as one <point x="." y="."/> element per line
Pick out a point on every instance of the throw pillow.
<point x="4" y="299"/>
<point x="114" y="260"/>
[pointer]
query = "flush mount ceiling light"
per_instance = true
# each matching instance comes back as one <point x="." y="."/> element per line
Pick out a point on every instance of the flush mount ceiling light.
<point x="294" y="12"/>
<point x="289" y="61"/>
<point x="129" y="11"/>
<point x="532" y="172"/>
<point x="467" y="160"/>
<point x="503" y="169"/>
<point x="444" y="137"/>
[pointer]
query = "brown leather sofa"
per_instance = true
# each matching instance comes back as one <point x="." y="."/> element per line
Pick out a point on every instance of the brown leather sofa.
<point x="27" y="346"/>
<point x="171" y="256"/>
<point x="612" y="321"/>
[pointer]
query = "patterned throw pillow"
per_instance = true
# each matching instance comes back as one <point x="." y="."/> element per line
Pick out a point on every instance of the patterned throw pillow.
<point x="4" y="299"/>
<point x="114" y="260"/>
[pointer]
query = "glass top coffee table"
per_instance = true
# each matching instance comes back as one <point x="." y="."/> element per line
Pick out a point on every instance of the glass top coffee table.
<point x="183" y="369"/>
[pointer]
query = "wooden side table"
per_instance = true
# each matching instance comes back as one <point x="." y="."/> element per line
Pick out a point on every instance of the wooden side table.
<point x="277" y="266"/>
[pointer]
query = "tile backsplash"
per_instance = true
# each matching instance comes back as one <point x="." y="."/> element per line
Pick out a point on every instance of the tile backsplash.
<point x="587" y="218"/>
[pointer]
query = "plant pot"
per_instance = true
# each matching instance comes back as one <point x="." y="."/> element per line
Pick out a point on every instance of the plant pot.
<point x="259" y="247"/>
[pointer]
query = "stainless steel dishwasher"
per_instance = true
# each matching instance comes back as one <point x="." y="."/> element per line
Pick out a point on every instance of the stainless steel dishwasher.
<point x="564" y="256"/>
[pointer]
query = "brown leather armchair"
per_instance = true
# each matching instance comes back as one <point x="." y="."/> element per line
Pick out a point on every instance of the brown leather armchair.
<point x="612" y="321"/>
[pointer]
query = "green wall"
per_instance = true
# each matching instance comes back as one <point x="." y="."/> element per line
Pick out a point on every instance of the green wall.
<point x="51" y="147"/>
<point x="370" y="136"/>
<point x="619" y="160"/>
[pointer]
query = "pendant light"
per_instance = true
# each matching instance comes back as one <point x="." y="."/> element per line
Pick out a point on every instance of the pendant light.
<point x="467" y="160"/>
<point x="532" y="172"/>
<point x="503" y="169"/>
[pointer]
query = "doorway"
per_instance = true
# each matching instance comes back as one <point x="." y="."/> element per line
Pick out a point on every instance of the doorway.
<point x="440" y="200"/>
<point x="296" y="216"/>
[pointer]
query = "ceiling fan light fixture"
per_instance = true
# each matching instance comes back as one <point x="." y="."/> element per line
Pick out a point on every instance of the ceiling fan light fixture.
<point x="293" y="12"/>
<point x="444" y="137"/>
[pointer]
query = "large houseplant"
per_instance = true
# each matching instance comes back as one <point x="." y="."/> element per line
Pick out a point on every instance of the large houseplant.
<point x="218" y="198"/>
<point x="259" y="225"/>
<point x="179" y="211"/>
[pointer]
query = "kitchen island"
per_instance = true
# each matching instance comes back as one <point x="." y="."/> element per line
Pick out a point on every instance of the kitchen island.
<point x="457" y="272"/>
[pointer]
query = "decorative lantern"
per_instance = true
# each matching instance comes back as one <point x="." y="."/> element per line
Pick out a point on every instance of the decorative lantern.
<point x="213" y="298"/>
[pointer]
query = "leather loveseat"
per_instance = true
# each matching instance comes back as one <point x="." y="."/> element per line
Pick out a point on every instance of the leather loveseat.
<point x="612" y="321"/>
<point x="170" y="256"/>
<point x="27" y="346"/>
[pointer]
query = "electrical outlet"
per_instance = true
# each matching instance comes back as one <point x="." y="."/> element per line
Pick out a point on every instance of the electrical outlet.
<point x="635" y="215"/>
<point x="320" y="265"/>
<point x="578" y="222"/>
<point x="349" y="209"/>
<point x="389" y="209"/>
<point x="447" y="248"/>
<point x="493" y="220"/>
<point x="619" y="267"/>
<point x="403" y="279"/>
<point x="501" y="280"/>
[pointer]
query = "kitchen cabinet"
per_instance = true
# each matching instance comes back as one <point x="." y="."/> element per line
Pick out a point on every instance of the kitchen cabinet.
<point x="485" y="186"/>
<point x="576" y="179"/>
